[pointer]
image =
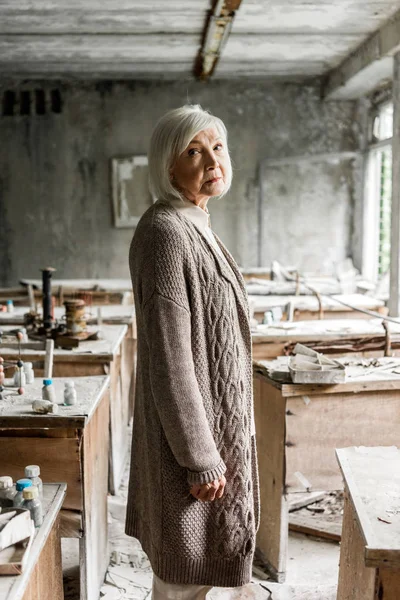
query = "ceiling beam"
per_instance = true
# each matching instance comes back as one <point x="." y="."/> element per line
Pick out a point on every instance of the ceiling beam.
<point x="217" y="30"/>
<point x="367" y="67"/>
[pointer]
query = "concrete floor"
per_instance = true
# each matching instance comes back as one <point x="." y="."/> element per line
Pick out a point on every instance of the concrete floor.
<point x="312" y="568"/>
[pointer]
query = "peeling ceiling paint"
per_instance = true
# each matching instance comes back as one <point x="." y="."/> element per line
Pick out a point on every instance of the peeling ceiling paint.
<point x="136" y="39"/>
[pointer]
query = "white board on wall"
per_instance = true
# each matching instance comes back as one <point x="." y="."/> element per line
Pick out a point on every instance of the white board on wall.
<point x="130" y="189"/>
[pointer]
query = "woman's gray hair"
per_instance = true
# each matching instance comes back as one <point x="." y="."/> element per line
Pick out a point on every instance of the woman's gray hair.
<point x="171" y="136"/>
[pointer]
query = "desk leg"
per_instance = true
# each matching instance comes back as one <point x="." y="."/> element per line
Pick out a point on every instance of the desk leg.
<point x="272" y="537"/>
<point x="128" y="370"/>
<point x="119" y="441"/>
<point x="46" y="580"/>
<point x="387" y="584"/>
<point x="356" y="581"/>
<point x="94" y="553"/>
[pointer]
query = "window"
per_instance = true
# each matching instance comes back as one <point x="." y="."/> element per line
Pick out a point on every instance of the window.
<point x="378" y="194"/>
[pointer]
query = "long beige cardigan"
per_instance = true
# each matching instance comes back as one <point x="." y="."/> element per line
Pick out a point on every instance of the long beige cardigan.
<point x="193" y="406"/>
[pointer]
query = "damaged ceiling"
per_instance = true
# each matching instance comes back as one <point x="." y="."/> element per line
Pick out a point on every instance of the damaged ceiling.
<point x="287" y="39"/>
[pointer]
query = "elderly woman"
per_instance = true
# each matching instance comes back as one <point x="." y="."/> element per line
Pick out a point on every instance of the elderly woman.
<point x="193" y="493"/>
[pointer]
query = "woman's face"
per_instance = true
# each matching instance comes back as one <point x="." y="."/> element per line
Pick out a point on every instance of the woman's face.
<point x="201" y="170"/>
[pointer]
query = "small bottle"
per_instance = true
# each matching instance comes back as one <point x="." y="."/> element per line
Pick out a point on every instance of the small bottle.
<point x="10" y="306"/>
<point x="33" y="504"/>
<point x="19" y="375"/>
<point x="29" y="373"/>
<point x="7" y="492"/>
<point x="20" y="486"/>
<point x="48" y="392"/>
<point x="32" y="472"/>
<point x="69" y="393"/>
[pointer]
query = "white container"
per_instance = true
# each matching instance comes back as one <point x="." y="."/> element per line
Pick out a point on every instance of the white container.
<point x="48" y="392"/>
<point x="19" y="377"/>
<point x="69" y="394"/>
<point x="7" y="492"/>
<point x="32" y="472"/>
<point x="33" y="504"/>
<point x="29" y="373"/>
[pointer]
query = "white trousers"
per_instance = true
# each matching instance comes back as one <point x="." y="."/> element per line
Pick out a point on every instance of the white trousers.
<point x="173" y="591"/>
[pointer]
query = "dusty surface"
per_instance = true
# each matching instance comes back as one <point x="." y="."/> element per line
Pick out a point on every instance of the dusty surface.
<point x="330" y="509"/>
<point x="89" y="390"/>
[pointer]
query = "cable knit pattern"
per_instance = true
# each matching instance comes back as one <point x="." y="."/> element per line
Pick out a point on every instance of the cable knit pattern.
<point x="193" y="405"/>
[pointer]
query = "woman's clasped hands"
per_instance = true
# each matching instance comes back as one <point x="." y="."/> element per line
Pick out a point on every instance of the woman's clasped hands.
<point x="208" y="492"/>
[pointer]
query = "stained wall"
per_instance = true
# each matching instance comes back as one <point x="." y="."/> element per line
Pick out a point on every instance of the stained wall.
<point x="55" y="179"/>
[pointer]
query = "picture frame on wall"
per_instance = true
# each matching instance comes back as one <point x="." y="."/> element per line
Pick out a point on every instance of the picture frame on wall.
<point x="131" y="196"/>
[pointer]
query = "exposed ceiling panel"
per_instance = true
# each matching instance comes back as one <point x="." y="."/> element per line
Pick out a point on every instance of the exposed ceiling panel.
<point x="301" y="33"/>
<point x="162" y="38"/>
<point x="119" y="48"/>
<point x="333" y="16"/>
<point x="96" y="17"/>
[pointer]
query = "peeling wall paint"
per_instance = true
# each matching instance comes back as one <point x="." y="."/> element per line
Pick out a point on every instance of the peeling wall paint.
<point x="56" y="177"/>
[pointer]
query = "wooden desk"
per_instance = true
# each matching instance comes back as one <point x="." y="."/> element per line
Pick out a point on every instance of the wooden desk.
<point x="298" y="428"/>
<point x="99" y="357"/>
<point x="113" y="314"/>
<point x="19" y="295"/>
<point x="365" y="337"/>
<point x="370" y="549"/>
<point x="262" y="272"/>
<point x="102" y="291"/>
<point x="72" y="446"/>
<point x="42" y="578"/>
<point x="307" y="307"/>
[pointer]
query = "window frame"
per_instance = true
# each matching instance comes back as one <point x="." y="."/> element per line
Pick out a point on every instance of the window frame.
<point x="372" y="197"/>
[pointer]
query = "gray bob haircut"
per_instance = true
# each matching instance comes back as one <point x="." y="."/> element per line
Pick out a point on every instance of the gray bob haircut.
<point x="171" y="136"/>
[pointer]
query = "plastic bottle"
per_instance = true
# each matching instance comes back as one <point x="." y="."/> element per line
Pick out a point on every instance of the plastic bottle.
<point x="7" y="492"/>
<point x="10" y="306"/>
<point x="20" y="486"/>
<point x="33" y="504"/>
<point x="29" y="373"/>
<point x="19" y="375"/>
<point x="32" y="472"/>
<point x="69" y="393"/>
<point x="48" y="392"/>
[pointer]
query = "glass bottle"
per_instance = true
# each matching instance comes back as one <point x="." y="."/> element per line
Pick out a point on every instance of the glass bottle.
<point x="32" y="472"/>
<point x="48" y="392"/>
<point x="29" y="373"/>
<point x="33" y="504"/>
<point x="7" y="492"/>
<point x="69" y="393"/>
<point x="20" y="486"/>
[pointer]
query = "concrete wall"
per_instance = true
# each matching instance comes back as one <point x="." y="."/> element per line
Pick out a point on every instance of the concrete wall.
<point x="55" y="204"/>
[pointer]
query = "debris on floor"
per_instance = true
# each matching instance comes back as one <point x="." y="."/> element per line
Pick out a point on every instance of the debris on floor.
<point x="129" y="575"/>
<point x="322" y="518"/>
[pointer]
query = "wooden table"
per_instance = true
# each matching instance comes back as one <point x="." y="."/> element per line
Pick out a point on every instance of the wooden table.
<point x="111" y="314"/>
<point x="335" y="337"/>
<point x="42" y="578"/>
<point x="261" y="272"/>
<point x="298" y="428"/>
<point x="72" y="446"/>
<point x="307" y="307"/>
<point x="102" y="291"/>
<point x="370" y="549"/>
<point x="105" y="356"/>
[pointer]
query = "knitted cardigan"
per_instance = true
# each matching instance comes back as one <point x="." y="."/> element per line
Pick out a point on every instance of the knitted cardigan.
<point x="193" y="406"/>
